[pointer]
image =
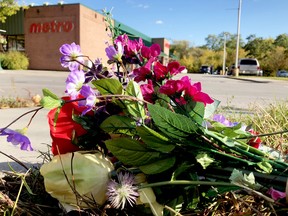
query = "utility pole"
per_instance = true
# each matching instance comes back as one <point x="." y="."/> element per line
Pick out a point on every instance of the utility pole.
<point x="224" y="55"/>
<point x="236" y="71"/>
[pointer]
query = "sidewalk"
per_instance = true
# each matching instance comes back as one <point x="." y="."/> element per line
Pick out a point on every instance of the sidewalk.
<point x="38" y="133"/>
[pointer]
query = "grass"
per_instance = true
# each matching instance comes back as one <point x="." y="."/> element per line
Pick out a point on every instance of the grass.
<point x="265" y="120"/>
<point x="10" y="102"/>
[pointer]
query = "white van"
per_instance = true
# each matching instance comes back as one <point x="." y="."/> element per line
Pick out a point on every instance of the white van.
<point x="249" y="66"/>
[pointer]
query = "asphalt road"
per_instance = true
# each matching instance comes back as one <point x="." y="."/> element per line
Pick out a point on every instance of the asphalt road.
<point x="239" y="94"/>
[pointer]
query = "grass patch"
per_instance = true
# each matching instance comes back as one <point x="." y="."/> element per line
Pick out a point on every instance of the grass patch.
<point x="9" y="102"/>
<point x="265" y="120"/>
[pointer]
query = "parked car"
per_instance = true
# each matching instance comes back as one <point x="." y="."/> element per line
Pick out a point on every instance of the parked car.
<point x="249" y="66"/>
<point x="282" y="73"/>
<point x="205" y="69"/>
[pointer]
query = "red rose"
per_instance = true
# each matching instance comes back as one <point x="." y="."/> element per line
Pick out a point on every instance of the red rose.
<point x="65" y="130"/>
<point x="256" y="141"/>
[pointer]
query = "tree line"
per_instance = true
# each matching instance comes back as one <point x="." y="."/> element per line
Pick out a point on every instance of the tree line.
<point x="271" y="53"/>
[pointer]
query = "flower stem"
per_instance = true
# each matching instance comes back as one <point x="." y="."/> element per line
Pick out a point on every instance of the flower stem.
<point x="186" y="182"/>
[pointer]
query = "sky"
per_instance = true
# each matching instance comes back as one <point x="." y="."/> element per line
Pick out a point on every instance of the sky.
<point x="193" y="20"/>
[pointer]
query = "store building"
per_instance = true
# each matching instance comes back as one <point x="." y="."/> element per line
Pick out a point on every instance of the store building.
<point x="39" y="31"/>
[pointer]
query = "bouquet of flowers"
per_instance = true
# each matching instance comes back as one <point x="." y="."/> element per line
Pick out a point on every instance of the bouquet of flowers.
<point x="146" y="141"/>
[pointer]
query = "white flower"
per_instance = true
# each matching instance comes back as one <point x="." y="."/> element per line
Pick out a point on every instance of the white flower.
<point x="123" y="191"/>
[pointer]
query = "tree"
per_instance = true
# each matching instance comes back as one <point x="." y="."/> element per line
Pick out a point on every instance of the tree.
<point x="213" y="42"/>
<point x="281" y="40"/>
<point x="8" y="8"/>
<point x="276" y="60"/>
<point x="257" y="47"/>
<point x="180" y="48"/>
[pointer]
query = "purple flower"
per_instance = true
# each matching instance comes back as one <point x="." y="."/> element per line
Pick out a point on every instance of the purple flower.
<point x="114" y="54"/>
<point x="74" y="83"/>
<point x="91" y="98"/>
<point x="16" y="138"/>
<point x="224" y="121"/>
<point x="123" y="191"/>
<point x="71" y="56"/>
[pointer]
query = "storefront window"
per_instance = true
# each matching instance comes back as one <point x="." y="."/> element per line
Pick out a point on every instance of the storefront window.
<point x="15" y="43"/>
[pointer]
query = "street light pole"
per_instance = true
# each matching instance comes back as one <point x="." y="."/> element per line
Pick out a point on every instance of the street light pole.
<point x="236" y="72"/>
<point x="224" y="56"/>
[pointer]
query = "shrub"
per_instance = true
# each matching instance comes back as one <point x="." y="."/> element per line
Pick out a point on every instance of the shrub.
<point x="14" y="60"/>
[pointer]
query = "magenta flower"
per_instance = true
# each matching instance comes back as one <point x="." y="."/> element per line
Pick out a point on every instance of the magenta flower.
<point x="74" y="83"/>
<point x="71" y="56"/>
<point x="123" y="39"/>
<point x="133" y="47"/>
<point x="143" y="73"/>
<point x="148" y="91"/>
<point x="122" y="192"/>
<point x="151" y="52"/>
<point x="174" y="68"/>
<point x="194" y="91"/>
<point x="162" y="72"/>
<point x="275" y="194"/>
<point x="182" y="90"/>
<point x="172" y="87"/>
<point x="16" y="138"/>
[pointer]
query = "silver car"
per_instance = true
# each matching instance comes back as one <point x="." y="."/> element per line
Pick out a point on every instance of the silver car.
<point x="282" y="73"/>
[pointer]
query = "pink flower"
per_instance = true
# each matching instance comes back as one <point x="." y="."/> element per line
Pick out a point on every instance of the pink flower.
<point x="194" y="91"/>
<point x="144" y="72"/>
<point x="141" y="74"/>
<point x="123" y="39"/>
<point x="182" y="90"/>
<point x="133" y="47"/>
<point x="172" y="87"/>
<point x="148" y="91"/>
<point x="275" y="194"/>
<point x="151" y="52"/>
<point x="161" y="71"/>
<point x="174" y="68"/>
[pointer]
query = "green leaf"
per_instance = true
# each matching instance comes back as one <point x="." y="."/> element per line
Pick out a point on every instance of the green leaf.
<point x="224" y="140"/>
<point x="232" y="132"/>
<point x="155" y="140"/>
<point x="48" y="93"/>
<point x="119" y="124"/>
<point x="172" y="124"/>
<point x="135" y="107"/>
<point x="265" y="166"/>
<point x="108" y="86"/>
<point x="197" y="113"/>
<point x="131" y="152"/>
<point x="211" y="108"/>
<point x="181" y="169"/>
<point x="204" y="159"/>
<point x="158" y="166"/>
<point x="50" y="102"/>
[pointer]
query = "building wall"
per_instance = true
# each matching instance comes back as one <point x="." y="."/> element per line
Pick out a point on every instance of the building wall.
<point x="93" y="34"/>
<point x="46" y="28"/>
<point x="165" y="47"/>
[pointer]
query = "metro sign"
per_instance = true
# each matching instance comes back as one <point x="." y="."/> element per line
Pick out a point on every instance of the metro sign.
<point x="53" y="27"/>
